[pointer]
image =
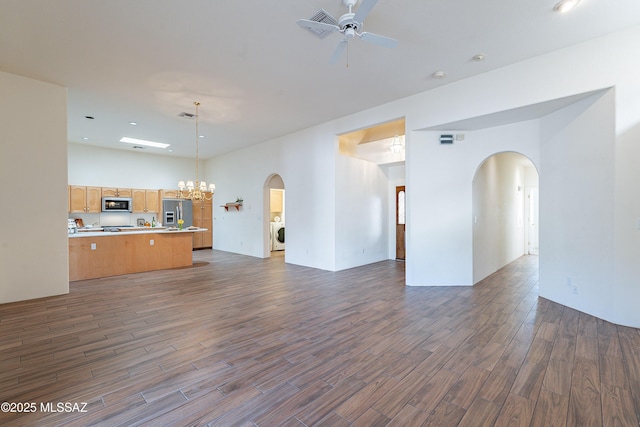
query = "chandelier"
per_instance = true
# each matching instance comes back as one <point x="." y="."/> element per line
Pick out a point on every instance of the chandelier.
<point x="396" y="146"/>
<point x="197" y="189"/>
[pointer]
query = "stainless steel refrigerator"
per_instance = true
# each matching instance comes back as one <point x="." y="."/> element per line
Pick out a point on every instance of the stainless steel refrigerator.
<point x="175" y="209"/>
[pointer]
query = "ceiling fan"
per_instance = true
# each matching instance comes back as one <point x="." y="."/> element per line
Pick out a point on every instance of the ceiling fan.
<point x="349" y="25"/>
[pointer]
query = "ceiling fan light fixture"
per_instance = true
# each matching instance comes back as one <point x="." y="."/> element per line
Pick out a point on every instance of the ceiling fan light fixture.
<point x="438" y="75"/>
<point x="564" y="6"/>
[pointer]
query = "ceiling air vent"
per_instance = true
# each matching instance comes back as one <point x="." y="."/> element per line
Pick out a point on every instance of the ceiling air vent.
<point x="324" y="17"/>
<point x="187" y="115"/>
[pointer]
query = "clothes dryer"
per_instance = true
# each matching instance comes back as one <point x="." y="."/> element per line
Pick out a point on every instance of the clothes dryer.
<point x="277" y="236"/>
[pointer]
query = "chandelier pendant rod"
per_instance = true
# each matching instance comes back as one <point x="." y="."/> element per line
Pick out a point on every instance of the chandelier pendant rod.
<point x="197" y="104"/>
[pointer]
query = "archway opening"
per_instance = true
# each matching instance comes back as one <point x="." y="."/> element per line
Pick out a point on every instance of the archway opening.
<point x="274" y="214"/>
<point x="505" y="212"/>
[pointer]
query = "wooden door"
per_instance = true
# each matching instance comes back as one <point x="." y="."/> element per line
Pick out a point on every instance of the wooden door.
<point x="400" y="222"/>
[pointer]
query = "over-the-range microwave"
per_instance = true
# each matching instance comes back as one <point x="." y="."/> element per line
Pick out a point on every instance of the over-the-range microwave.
<point x="117" y="204"/>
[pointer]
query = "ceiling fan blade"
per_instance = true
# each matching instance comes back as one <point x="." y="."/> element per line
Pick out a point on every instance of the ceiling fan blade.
<point x="379" y="40"/>
<point x="364" y="10"/>
<point x="338" y="52"/>
<point x="315" y="25"/>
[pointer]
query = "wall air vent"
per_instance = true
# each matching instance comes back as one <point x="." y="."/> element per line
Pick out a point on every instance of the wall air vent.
<point x="324" y="17"/>
<point x="446" y="139"/>
<point x="187" y="115"/>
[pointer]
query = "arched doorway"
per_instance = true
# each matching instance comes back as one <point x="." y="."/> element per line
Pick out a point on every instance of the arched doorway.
<point x="505" y="212"/>
<point x="274" y="215"/>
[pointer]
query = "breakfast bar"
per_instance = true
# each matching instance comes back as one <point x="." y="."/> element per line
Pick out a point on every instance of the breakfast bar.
<point x="98" y="254"/>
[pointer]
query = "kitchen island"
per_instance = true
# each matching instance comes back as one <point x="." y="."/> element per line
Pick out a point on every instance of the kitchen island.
<point x="97" y="254"/>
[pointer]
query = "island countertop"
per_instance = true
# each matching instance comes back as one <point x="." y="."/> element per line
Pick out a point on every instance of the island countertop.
<point x="135" y="230"/>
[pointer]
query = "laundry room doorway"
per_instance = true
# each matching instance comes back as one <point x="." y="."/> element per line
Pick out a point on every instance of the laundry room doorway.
<point x="274" y="216"/>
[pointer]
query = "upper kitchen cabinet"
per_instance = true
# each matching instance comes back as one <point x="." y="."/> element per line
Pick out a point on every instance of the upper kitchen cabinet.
<point x="116" y="192"/>
<point x="276" y="200"/>
<point x="145" y="200"/>
<point x="171" y="194"/>
<point x="85" y="199"/>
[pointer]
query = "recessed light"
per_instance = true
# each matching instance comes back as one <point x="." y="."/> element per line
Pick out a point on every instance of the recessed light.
<point x="565" y="5"/>
<point x="200" y="136"/>
<point x="143" y="142"/>
<point x="85" y="138"/>
<point x="133" y="123"/>
<point x="479" y="57"/>
<point x="438" y="75"/>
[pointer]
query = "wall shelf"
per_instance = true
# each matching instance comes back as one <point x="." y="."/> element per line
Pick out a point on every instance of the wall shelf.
<point x="232" y="205"/>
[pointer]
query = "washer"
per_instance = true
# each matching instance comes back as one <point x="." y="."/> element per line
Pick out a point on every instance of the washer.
<point x="277" y="236"/>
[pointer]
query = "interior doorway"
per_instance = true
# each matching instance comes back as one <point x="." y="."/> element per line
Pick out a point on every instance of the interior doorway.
<point x="505" y="212"/>
<point x="401" y="220"/>
<point x="274" y="214"/>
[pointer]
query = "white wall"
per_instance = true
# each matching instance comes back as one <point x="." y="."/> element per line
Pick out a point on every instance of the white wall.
<point x="304" y="161"/>
<point x="361" y="214"/>
<point x="577" y="205"/>
<point x="33" y="169"/>
<point x="102" y="167"/>
<point x="440" y="215"/>
<point x="498" y="215"/>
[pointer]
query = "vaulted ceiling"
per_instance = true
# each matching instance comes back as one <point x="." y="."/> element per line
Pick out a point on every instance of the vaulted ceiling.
<point x="257" y="74"/>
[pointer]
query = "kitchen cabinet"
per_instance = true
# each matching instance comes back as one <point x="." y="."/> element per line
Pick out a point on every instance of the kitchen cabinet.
<point x="203" y="218"/>
<point x="171" y="194"/>
<point x="276" y="200"/>
<point x="85" y="199"/>
<point x="145" y="200"/>
<point x="93" y="255"/>
<point x="116" y="192"/>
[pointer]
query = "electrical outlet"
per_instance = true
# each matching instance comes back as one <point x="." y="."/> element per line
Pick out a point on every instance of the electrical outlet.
<point x="152" y="242"/>
<point x="93" y="246"/>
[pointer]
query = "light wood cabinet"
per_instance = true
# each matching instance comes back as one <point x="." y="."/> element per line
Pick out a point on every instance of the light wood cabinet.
<point x="276" y="200"/>
<point x="120" y="253"/>
<point x="203" y="218"/>
<point x="116" y="192"/>
<point x="85" y="199"/>
<point x="145" y="200"/>
<point x="171" y="194"/>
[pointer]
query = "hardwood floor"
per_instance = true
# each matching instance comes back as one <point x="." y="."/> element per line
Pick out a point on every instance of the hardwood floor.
<point x="241" y="341"/>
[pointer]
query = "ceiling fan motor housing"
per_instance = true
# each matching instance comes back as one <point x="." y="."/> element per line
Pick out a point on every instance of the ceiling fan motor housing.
<point x="348" y="25"/>
<point x="349" y="3"/>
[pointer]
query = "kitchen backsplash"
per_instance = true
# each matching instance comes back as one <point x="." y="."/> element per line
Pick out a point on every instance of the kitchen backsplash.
<point x="113" y="218"/>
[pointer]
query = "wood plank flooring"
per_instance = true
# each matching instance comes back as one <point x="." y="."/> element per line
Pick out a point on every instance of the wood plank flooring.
<point x="241" y="341"/>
